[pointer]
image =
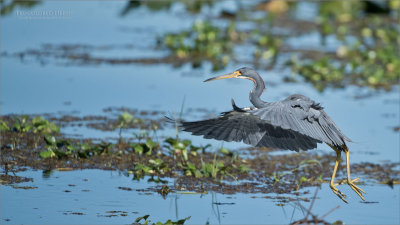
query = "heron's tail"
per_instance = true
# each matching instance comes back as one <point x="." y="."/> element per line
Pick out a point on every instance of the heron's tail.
<point x="174" y="121"/>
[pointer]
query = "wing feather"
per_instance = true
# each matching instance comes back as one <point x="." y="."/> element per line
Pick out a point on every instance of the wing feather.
<point x="251" y="129"/>
<point x="300" y="114"/>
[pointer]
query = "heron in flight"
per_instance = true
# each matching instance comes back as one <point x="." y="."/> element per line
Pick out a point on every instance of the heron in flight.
<point x="296" y="123"/>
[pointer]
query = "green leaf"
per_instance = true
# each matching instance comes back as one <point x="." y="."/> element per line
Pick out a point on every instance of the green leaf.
<point x="4" y="126"/>
<point x="85" y="147"/>
<point x="141" y="218"/>
<point x="243" y="168"/>
<point x="150" y="144"/>
<point x="54" y="128"/>
<point x="138" y="149"/>
<point x="179" y="145"/>
<point x="224" y="151"/>
<point x="50" y="140"/>
<point x="185" y="154"/>
<point x="303" y="179"/>
<point x="186" y="142"/>
<point x="125" y="118"/>
<point x="60" y="154"/>
<point x="198" y="174"/>
<point x="156" y="162"/>
<point x="170" y="141"/>
<point x="182" y="221"/>
<point x="39" y="121"/>
<point x="191" y="167"/>
<point x="47" y="154"/>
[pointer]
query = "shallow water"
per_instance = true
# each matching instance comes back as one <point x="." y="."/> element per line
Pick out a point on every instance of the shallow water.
<point x="95" y="193"/>
<point x="30" y="86"/>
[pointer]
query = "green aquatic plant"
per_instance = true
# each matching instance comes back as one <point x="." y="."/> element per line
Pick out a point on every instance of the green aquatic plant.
<point x="333" y="14"/>
<point x="144" y="220"/>
<point x="231" y="154"/>
<point x="368" y="54"/>
<point x="243" y="168"/>
<point x="62" y="148"/>
<point x="203" y="41"/>
<point x="302" y="165"/>
<point x="144" y="148"/>
<point x="153" y="167"/>
<point x="371" y="59"/>
<point x="183" y="148"/>
<point x="24" y="124"/>
<point x="52" y="148"/>
<point x="321" y="73"/>
<point x="267" y="46"/>
<point x="4" y="126"/>
<point x="41" y="125"/>
<point x="189" y="169"/>
<point x="124" y="120"/>
<point x="214" y="169"/>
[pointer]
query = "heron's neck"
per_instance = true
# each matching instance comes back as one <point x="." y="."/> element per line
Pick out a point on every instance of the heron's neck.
<point x="255" y="94"/>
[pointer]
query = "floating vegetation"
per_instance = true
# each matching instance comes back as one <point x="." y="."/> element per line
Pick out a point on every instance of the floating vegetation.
<point x="25" y="124"/>
<point x="144" y="220"/>
<point x="195" y="169"/>
<point x="360" y="63"/>
<point x="368" y="55"/>
<point x="267" y="47"/>
<point x="203" y="42"/>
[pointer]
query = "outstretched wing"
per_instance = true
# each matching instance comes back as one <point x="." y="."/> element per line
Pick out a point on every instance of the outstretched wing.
<point x="300" y="114"/>
<point x="241" y="125"/>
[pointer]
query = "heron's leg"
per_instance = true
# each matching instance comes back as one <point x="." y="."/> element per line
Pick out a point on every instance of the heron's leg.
<point x="349" y="181"/>
<point x="332" y="184"/>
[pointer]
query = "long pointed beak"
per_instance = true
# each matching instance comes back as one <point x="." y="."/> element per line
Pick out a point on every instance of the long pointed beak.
<point x="229" y="75"/>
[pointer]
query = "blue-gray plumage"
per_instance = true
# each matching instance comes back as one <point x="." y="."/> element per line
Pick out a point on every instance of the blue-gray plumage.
<point x="296" y="123"/>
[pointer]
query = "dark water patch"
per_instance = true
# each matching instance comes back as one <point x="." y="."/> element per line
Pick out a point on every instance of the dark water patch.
<point x="114" y="213"/>
<point x="12" y="179"/>
<point x="125" y="188"/>
<point x="369" y="202"/>
<point x="396" y="128"/>
<point x="23" y="187"/>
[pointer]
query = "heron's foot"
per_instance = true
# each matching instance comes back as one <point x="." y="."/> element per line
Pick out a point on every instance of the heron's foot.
<point x="338" y="193"/>
<point x="355" y="188"/>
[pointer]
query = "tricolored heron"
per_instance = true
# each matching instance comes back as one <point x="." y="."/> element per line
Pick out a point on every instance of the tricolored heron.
<point x="296" y="123"/>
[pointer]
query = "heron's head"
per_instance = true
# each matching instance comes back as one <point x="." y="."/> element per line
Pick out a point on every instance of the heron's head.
<point x="244" y="73"/>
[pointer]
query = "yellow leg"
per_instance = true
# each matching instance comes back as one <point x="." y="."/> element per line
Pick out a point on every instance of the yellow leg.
<point x="349" y="181"/>
<point x="332" y="184"/>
